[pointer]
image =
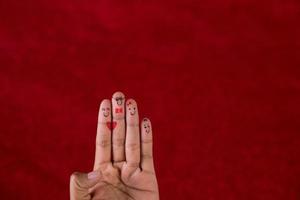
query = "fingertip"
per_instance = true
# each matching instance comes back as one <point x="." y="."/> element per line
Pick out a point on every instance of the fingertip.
<point x="132" y="115"/>
<point x="105" y="102"/>
<point x="104" y="111"/>
<point x="131" y="102"/>
<point x="77" y="179"/>
<point x="118" y="104"/>
<point x="118" y="94"/>
<point x="146" y="120"/>
<point x="74" y="176"/>
<point x="146" y="126"/>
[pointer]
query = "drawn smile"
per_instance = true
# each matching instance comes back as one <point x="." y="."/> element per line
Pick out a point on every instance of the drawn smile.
<point x="132" y="110"/>
<point x="148" y="130"/>
<point x="105" y="114"/>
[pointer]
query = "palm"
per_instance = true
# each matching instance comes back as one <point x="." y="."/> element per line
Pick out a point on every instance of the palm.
<point x="123" y="167"/>
<point x="123" y="182"/>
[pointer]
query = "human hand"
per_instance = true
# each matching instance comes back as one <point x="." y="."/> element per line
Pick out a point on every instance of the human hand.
<point x="123" y="167"/>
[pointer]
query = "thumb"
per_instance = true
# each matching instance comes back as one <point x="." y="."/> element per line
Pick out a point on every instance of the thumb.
<point x="80" y="183"/>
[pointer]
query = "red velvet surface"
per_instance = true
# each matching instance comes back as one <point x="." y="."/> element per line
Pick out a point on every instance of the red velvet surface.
<point x="220" y="81"/>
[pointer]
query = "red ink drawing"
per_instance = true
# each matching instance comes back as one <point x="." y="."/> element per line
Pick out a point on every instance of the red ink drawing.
<point x="111" y="125"/>
<point x="119" y="110"/>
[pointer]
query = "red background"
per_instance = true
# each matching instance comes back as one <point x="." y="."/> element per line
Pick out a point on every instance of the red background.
<point x="219" y="79"/>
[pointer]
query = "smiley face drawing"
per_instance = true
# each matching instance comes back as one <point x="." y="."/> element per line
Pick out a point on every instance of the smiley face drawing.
<point x="119" y="100"/>
<point x="105" y="111"/>
<point x="131" y="108"/>
<point x="147" y="126"/>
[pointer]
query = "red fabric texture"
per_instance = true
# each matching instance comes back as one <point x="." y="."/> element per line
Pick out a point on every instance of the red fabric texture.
<point x="220" y="81"/>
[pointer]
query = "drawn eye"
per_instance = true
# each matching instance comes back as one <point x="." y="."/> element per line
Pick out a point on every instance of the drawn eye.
<point x="129" y="108"/>
<point x="103" y="109"/>
<point x="134" y="108"/>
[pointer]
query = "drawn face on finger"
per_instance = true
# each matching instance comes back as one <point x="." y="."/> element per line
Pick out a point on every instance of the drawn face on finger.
<point x="118" y="105"/>
<point x="119" y="100"/>
<point x="105" y="111"/>
<point x="131" y="108"/>
<point x="147" y="126"/>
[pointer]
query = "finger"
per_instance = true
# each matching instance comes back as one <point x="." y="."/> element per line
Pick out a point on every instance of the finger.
<point x="147" y="153"/>
<point x="118" y="136"/>
<point x="103" y="138"/>
<point x="132" y="134"/>
<point x="80" y="184"/>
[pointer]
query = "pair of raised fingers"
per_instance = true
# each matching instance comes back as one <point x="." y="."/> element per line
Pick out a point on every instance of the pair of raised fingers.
<point x="119" y="136"/>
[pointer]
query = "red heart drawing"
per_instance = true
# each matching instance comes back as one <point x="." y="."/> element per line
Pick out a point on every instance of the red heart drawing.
<point x="110" y="125"/>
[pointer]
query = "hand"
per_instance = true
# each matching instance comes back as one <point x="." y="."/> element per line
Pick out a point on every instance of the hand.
<point x="123" y="167"/>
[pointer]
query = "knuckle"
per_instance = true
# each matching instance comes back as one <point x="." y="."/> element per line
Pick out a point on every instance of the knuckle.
<point x="75" y="180"/>
<point x="74" y="176"/>
<point x="146" y="141"/>
<point x="103" y="143"/>
<point x="133" y="164"/>
<point x="133" y="146"/>
<point x="147" y="156"/>
<point x="119" y="142"/>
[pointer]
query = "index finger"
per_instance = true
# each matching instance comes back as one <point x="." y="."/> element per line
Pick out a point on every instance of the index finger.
<point x="103" y="138"/>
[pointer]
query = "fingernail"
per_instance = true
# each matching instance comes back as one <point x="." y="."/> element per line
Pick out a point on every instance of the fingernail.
<point x="93" y="175"/>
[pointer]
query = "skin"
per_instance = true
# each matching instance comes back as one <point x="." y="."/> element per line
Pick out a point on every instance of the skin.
<point x="123" y="167"/>
<point x="131" y="108"/>
<point x="105" y="111"/>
